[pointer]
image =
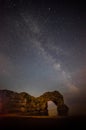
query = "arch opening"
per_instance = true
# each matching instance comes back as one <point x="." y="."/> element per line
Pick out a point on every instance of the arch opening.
<point x="52" y="109"/>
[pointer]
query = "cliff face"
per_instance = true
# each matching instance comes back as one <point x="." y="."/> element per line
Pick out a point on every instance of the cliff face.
<point x="12" y="102"/>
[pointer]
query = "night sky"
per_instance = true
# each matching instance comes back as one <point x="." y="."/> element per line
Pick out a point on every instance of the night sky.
<point x="43" y="48"/>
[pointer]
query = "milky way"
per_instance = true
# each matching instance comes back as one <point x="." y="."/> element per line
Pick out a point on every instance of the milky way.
<point x="42" y="47"/>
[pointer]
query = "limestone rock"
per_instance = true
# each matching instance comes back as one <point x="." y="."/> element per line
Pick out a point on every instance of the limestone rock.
<point x="12" y="102"/>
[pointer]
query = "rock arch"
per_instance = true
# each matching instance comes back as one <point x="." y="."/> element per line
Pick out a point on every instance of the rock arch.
<point x="23" y="102"/>
<point x="55" y="97"/>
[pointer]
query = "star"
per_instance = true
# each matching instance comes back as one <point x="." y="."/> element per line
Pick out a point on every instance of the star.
<point x="49" y="9"/>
